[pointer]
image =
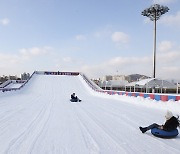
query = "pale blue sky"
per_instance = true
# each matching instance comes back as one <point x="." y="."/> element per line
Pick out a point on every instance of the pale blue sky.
<point x="96" y="37"/>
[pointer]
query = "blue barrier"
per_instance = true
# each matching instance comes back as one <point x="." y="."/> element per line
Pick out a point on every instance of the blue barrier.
<point x="157" y="97"/>
<point x="129" y="94"/>
<point x="123" y="93"/>
<point x="146" y="95"/>
<point x="136" y="94"/>
<point x="171" y="97"/>
<point x="119" y="93"/>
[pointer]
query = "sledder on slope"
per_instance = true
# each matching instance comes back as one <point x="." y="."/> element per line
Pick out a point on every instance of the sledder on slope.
<point x="74" y="98"/>
<point x="168" y="130"/>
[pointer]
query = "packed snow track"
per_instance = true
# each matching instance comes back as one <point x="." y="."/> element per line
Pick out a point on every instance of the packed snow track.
<point x="40" y="119"/>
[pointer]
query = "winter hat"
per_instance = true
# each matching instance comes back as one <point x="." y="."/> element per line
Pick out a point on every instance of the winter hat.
<point x="168" y="115"/>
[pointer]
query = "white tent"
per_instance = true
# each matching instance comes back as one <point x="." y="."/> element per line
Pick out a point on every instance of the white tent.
<point x="155" y="83"/>
<point x="114" y="83"/>
<point x="151" y="83"/>
<point x="117" y="83"/>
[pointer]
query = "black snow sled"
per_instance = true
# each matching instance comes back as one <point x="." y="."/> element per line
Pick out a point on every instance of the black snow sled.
<point x="75" y="100"/>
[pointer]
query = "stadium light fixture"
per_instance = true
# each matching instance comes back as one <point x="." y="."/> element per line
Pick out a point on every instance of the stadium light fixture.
<point x="154" y="12"/>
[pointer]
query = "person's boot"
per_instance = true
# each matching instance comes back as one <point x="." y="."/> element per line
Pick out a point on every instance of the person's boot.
<point x="143" y="130"/>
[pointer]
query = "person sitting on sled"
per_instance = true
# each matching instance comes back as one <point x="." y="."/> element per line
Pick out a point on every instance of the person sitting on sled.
<point x="74" y="98"/>
<point x="170" y="124"/>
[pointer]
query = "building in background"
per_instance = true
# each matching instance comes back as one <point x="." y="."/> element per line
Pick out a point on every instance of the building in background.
<point x="6" y="78"/>
<point x="13" y="77"/>
<point x="121" y="77"/>
<point x="107" y="78"/>
<point x="25" y="76"/>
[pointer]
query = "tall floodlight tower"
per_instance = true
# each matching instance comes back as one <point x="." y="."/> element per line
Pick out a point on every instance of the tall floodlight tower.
<point x="154" y="12"/>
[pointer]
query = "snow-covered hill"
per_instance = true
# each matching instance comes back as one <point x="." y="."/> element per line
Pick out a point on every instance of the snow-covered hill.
<point x="39" y="119"/>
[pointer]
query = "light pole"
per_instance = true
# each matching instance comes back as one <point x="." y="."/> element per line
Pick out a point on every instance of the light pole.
<point x="154" y="12"/>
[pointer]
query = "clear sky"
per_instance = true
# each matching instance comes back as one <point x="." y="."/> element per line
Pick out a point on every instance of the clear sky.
<point x="97" y="37"/>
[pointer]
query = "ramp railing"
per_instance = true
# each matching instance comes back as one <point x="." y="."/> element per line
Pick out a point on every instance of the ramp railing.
<point x="14" y="89"/>
<point x="90" y="83"/>
<point x="155" y="96"/>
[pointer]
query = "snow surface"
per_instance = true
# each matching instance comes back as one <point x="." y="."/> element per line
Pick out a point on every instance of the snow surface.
<point x="14" y="85"/>
<point x="39" y="119"/>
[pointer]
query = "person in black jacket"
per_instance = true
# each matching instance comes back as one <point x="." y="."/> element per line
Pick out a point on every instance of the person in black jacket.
<point x="170" y="124"/>
<point x="74" y="98"/>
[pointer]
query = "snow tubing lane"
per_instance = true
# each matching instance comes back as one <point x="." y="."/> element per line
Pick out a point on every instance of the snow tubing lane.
<point x="164" y="134"/>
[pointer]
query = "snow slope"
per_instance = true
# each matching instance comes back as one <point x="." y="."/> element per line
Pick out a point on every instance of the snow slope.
<point x="14" y="85"/>
<point x="39" y="119"/>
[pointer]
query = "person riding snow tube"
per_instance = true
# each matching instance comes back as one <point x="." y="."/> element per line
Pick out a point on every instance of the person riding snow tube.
<point x="169" y="129"/>
<point x="74" y="98"/>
